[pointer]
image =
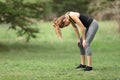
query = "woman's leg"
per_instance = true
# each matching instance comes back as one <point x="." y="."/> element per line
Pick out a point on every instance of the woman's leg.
<point x="89" y="37"/>
<point x="89" y="59"/>
<point x="82" y="56"/>
<point x="90" y="33"/>
<point x="82" y="53"/>
<point x="82" y="59"/>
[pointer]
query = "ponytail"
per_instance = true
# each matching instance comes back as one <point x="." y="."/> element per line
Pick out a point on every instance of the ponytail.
<point x="57" y="28"/>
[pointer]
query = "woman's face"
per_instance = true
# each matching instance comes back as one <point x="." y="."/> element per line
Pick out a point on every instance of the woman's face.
<point x="66" y="22"/>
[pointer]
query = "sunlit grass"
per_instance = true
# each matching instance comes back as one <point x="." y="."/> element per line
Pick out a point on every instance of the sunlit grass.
<point x="48" y="58"/>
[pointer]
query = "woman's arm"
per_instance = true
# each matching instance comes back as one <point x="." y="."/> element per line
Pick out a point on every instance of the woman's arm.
<point x="76" y="31"/>
<point x="79" y="23"/>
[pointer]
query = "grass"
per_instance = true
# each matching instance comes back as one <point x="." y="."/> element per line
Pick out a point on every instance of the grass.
<point x="48" y="58"/>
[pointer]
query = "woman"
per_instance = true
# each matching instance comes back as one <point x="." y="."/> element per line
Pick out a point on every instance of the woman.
<point x="88" y="27"/>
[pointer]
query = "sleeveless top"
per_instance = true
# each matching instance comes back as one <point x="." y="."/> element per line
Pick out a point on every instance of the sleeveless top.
<point x="86" y="20"/>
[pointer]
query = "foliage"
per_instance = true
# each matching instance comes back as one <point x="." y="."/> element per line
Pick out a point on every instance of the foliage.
<point x="62" y="6"/>
<point x="106" y="10"/>
<point x="20" y="15"/>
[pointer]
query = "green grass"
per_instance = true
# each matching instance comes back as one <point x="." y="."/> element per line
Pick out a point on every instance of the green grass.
<point x="48" y="58"/>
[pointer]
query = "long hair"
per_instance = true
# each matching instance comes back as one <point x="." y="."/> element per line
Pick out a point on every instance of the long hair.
<point x="58" y="23"/>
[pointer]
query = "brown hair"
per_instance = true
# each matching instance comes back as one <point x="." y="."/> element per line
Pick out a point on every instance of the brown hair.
<point x="58" y="23"/>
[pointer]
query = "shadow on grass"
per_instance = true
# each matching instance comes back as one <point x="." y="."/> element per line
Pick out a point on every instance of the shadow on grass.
<point x="17" y="46"/>
<point x="3" y="47"/>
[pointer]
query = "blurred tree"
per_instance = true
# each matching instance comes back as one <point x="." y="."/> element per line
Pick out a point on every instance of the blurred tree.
<point x="116" y="9"/>
<point x="20" y="16"/>
<point x="62" y="6"/>
<point x="106" y="10"/>
<point x="98" y="8"/>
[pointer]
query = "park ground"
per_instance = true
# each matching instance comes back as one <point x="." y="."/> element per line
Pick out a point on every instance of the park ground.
<point x="48" y="58"/>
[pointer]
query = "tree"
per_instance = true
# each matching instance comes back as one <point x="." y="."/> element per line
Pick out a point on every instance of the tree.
<point x="62" y="6"/>
<point x="116" y="6"/>
<point x="106" y="9"/>
<point x="20" y="16"/>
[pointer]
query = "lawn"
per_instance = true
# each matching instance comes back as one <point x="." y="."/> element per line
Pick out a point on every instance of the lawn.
<point x="48" y="58"/>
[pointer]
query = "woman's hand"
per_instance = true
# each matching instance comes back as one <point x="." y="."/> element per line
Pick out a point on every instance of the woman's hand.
<point x="79" y="42"/>
<point x="84" y="43"/>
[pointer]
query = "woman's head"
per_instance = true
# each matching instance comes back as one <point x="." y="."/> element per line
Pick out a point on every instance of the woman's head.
<point x="60" y="22"/>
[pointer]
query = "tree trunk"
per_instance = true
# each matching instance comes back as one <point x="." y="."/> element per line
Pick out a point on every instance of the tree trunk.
<point x="118" y="26"/>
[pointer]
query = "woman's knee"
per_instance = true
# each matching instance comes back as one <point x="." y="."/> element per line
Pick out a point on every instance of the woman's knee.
<point x="82" y="50"/>
<point x="88" y="51"/>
